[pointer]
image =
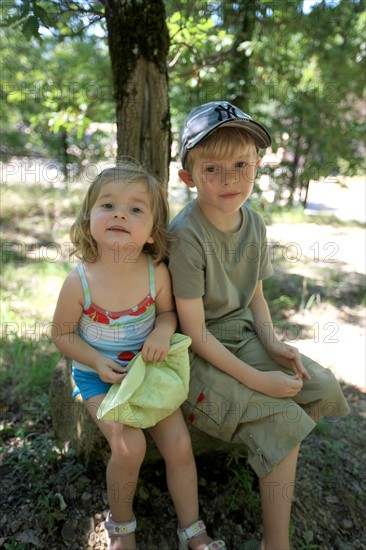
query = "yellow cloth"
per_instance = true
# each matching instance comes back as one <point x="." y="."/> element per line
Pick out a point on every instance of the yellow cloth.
<point x="150" y="391"/>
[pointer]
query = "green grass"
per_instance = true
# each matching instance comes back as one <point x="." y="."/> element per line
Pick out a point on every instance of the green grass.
<point x="29" y="292"/>
<point x="28" y="201"/>
<point x="33" y="267"/>
<point x="294" y="215"/>
<point x="27" y="365"/>
<point x="240" y="490"/>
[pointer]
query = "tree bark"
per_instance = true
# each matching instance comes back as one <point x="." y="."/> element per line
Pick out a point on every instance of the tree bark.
<point x="293" y="173"/>
<point x="138" y="42"/>
<point x="74" y="427"/>
<point x="306" y="186"/>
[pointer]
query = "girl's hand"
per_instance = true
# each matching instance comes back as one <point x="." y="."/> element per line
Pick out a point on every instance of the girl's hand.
<point x="278" y="384"/>
<point x="109" y="371"/>
<point x="156" y="347"/>
<point x="288" y="357"/>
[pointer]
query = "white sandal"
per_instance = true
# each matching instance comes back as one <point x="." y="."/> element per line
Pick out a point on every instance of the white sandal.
<point x="114" y="529"/>
<point x="193" y="530"/>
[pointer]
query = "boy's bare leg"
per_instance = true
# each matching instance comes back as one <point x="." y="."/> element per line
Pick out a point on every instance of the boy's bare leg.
<point x="277" y="492"/>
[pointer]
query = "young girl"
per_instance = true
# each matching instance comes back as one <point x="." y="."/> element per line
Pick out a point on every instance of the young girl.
<point x="120" y="238"/>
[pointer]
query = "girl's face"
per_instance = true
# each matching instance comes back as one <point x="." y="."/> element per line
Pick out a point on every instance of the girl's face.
<point x="122" y="216"/>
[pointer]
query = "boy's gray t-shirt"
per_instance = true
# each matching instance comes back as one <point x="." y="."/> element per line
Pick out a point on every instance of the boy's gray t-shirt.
<point x="222" y="268"/>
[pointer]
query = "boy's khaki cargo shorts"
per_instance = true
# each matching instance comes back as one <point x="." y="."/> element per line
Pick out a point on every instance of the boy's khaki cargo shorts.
<point x="270" y="427"/>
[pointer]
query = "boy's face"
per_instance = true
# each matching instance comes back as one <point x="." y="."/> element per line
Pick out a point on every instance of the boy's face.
<point x="223" y="185"/>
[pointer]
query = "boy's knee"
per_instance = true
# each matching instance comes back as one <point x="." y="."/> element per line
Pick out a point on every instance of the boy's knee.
<point x="323" y="394"/>
<point x="326" y="383"/>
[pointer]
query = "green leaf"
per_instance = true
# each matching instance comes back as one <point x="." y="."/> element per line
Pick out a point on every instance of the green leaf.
<point x="45" y="18"/>
<point x="30" y="27"/>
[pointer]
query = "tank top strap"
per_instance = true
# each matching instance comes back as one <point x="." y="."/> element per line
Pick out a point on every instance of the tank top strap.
<point x="152" y="277"/>
<point x="84" y="282"/>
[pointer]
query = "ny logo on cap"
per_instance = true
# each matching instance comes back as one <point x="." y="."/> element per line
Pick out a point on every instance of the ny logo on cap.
<point x="229" y="112"/>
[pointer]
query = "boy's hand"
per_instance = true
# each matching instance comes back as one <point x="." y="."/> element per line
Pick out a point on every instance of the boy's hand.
<point x="156" y="347"/>
<point x="109" y="371"/>
<point x="279" y="384"/>
<point x="288" y="357"/>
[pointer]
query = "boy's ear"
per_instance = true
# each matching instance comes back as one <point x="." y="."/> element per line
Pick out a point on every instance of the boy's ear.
<point x="258" y="162"/>
<point x="186" y="177"/>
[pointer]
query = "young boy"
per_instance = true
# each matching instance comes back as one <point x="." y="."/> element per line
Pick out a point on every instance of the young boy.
<point x="246" y="385"/>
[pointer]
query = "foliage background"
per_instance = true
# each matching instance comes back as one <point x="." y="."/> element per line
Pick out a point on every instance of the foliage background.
<point x="298" y="66"/>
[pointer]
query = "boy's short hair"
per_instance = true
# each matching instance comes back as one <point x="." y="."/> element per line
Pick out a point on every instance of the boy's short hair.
<point x="222" y="144"/>
<point x="204" y="120"/>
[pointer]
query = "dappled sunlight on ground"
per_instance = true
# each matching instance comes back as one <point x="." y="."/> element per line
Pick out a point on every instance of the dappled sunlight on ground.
<point x="333" y="258"/>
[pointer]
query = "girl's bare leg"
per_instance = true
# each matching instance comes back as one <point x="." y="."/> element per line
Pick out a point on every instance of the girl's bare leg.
<point x="128" y="446"/>
<point x="174" y="443"/>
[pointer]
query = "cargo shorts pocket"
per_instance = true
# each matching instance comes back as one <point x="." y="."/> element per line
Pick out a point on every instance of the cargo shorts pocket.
<point x="210" y="412"/>
<point x="259" y="457"/>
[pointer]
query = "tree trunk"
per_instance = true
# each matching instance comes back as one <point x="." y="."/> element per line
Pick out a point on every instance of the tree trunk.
<point x="305" y="199"/>
<point x="74" y="427"/>
<point x="138" y="41"/>
<point x="294" y="173"/>
<point x="64" y="154"/>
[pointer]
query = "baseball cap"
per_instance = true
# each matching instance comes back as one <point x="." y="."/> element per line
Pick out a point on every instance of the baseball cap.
<point x="205" y="119"/>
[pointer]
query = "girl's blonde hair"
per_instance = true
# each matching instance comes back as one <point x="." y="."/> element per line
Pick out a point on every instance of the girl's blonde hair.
<point x="125" y="172"/>
<point x="222" y="143"/>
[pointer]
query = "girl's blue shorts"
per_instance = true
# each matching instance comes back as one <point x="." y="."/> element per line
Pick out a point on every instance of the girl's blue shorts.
<point x="88" y="384"/>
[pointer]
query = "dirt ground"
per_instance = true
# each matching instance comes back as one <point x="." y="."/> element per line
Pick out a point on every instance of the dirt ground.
<point x="58" y="502"/>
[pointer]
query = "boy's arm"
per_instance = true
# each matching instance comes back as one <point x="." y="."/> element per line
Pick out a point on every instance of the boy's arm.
<point x="282" y="353"/>
<point x="192" y="321"/>
<point x="156" y="345"/>
<point x="66" y="317"/>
